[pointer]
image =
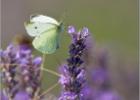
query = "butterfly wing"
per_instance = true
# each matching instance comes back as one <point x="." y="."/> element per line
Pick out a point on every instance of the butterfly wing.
<point x="43" y="19"/>
<point x="46" y="32"/>
<point x="47" y="42"/>
<point x="39" y="24"/>
<point x="36" y="28"/>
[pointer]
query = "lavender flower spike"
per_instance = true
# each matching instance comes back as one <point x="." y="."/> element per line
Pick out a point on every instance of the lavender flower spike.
<point x="73" y="73"/>
<point x="20" y="71"/>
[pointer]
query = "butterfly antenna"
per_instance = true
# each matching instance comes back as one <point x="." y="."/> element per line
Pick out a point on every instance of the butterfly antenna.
<point x="63" y="17"/>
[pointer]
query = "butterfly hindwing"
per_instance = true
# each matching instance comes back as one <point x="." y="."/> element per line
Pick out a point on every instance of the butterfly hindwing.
<point x="47" y="42"/>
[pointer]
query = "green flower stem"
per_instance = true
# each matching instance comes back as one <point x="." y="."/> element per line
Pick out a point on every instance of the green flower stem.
<point x="51" y="72"/>
<point x="49" y="89"/>
<point x="43" y="63"/>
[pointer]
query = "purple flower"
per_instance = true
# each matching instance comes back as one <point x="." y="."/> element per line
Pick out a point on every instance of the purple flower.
<point x="3" y="95"/>
<point x="22" y="95"/>
<point x="37" y="61"/>
<point x="19" y="70"/>
<point x="82" y="34"/>
<point x="68" y="96"/>
<point x="100" y="77"/>
<point x="71" y="29"/>
<point x="108" y="95"/>
<point x="87" y="93"/>
<point x="64" y="79"/>
<point x="73" y="73"/>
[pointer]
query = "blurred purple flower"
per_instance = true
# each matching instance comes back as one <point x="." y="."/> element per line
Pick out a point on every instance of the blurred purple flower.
<point x="20" y="70"/>
<point x="22" y="95"/>
<point x="87" y="93"/>
<point x="73" y="73"/>
<point x="100" y="77"/>
<point x="99" y="86"/>
<point x="3" y="95"/>
<point x="108" y="95"/>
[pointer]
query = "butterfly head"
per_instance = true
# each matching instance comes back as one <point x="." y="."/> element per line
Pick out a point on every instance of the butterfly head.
<point x="61" y="27"/>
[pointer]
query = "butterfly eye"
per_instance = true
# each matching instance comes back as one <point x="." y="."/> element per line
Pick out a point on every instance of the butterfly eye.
<point x="35" y="27"/>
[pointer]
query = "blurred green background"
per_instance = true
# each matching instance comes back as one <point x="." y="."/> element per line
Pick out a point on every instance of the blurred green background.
<point x="113" y="24"/>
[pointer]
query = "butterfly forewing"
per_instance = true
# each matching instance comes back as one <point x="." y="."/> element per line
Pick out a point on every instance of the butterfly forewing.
<point x="35" y="29"/>
<point x="44" y="19"/>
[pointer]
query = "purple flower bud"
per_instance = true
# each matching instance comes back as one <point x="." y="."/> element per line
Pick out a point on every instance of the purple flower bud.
<point x="71" y="29"/>
<point x="37" y="61"/>
<point x="81" y="76"/>
<point x="68" y="96"/>
<point x="84" y="32"/>
<point x="24" y="61"/>
<point x="10" y="47"/>
<point x="64" y="80"/>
